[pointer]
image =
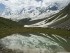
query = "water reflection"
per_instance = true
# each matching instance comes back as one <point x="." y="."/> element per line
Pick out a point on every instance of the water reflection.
<point x="34" y="43"/>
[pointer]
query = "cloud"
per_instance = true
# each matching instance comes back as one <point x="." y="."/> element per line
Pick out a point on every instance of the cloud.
<point x="17" y="5"/>
<point x="25" y="3"/>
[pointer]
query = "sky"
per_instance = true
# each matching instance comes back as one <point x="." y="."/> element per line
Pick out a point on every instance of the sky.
<point x="2" y="7"/>
<point x="16" y="4"/>
<point x="20" y="3"/>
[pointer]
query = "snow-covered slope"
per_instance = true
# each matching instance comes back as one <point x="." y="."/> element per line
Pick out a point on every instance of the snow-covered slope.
<point x="59" y="20"/>
<point x="34" y="9"/>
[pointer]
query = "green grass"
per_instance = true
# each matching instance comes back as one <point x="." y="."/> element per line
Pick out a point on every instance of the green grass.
<point x="7" y="23"/>
<point x="8" y="31"/>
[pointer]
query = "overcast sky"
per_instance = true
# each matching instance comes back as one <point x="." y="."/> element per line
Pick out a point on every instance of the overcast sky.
<point x="18" y="4"/>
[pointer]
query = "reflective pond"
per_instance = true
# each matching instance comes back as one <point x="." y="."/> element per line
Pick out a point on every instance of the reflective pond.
<point x="34" y="43"/>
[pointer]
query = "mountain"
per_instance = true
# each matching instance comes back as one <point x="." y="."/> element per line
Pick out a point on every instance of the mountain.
<point x="34" y="9"/>
<point x="37" y="13"/>
<point x="59" y="20"/>
<point x="7" y="23"/>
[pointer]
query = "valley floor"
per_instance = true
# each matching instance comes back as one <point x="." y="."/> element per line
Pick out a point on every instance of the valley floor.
<point x="8" y="31"/>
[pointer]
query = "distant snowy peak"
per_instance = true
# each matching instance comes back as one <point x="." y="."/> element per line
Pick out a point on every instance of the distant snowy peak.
<point x="31" y="8"/>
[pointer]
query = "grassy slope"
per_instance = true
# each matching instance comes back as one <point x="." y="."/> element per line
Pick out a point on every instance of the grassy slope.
<point x="7" y="23"/>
